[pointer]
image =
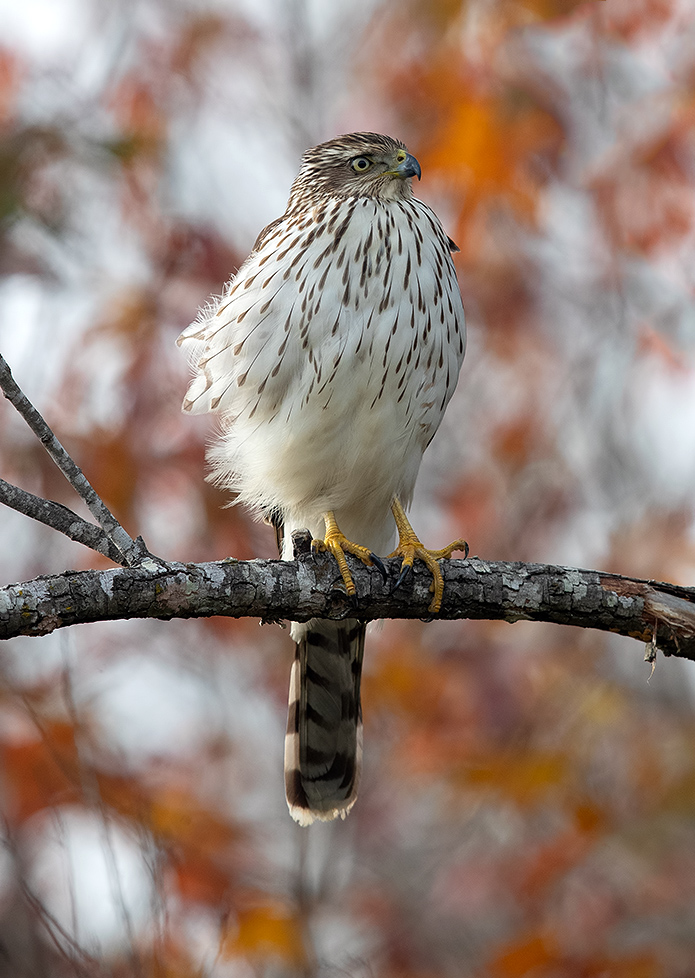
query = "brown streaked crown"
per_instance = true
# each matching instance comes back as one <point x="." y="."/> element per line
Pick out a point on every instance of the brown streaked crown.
<point x="327" y="170"/>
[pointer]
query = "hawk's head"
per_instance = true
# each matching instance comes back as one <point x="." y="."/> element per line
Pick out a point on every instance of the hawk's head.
<point x="361" y="164"/>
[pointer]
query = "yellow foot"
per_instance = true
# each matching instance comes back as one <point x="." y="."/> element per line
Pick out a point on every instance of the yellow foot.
<point x="409" y="547"/>
<point x="339" y="545"/>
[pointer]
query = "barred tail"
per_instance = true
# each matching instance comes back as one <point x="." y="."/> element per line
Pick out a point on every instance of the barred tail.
<point x="323" y="745"/>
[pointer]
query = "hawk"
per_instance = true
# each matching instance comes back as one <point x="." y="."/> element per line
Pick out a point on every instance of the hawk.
<point x="331" y="357"/>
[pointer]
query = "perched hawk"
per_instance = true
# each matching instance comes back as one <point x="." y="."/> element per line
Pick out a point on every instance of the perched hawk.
<point x="331" y="358"/>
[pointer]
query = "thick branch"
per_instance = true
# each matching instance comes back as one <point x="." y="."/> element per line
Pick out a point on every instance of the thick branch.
<point x="310" y="587"/>
<point x="60" y="518"/>
<point x="131" y="551"/>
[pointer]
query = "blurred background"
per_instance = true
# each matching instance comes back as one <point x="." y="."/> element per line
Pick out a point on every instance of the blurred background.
<point x="528" y="800"/>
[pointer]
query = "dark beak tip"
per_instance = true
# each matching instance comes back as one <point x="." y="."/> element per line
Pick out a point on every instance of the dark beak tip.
<point x="411" y="167"/>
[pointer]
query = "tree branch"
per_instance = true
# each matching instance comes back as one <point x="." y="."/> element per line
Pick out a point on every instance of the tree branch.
<point x="131" y="552"/>
<point x="60" y="518"/>
<point x="310" y="587"/>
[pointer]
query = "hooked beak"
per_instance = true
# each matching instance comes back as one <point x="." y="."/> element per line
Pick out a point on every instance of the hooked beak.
<point x="409" y="168"/>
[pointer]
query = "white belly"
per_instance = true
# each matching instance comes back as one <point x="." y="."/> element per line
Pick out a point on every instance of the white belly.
<point x="332" y="367"/>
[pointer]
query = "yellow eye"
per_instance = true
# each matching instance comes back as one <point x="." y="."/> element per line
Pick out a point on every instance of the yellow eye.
<point x="360" y="164"/>
<point x="401" y="155"/>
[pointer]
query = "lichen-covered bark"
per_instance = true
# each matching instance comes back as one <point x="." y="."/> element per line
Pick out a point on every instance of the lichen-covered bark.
<point x="310" y="587"/>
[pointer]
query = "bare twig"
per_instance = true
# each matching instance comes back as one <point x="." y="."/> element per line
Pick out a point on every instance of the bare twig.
<point x="132" y="552"/>
<point x="92" y="794"/>
<point x="80" y="963"/>
<point x="60" y="518"/>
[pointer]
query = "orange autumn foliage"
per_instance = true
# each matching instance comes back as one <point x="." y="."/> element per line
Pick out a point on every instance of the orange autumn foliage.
<point x="265" y="931"/>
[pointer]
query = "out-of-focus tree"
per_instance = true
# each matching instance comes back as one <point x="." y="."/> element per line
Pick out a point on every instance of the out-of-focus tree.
<point x="527" y="807"/>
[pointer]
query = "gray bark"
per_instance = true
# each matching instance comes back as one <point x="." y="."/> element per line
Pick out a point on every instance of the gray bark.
<point x="310" y="587"/>
<point x="126" y="550"/>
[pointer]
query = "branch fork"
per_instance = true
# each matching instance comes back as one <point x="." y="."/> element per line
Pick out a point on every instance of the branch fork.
<point x="144" y="586"/>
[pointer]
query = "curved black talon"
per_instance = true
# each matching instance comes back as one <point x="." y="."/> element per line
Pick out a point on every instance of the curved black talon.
<point x="379" y="564"/>
<point x="405" y="573"/>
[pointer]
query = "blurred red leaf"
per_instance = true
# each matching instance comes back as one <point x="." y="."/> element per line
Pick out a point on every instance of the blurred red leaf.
<point x="10" y="76"/>
<point x="631" y="20"/>
<point x="531" y="955"/>
<point x="141" y="118"/>
<point x="645" y="195"/>
<point x="43" y="772"/>
<point x="543" y="866"/>
<point x="654" y="343"/>
<point x="201" y="880"/>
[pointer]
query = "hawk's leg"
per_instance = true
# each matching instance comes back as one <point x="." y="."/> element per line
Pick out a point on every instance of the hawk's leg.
<point x="339" y="545"/>
<point x="409" y="547"/>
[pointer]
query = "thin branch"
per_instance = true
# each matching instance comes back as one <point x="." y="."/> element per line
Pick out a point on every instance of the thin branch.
<point x="60" y="518"/>
<point x="310" y="587"/>
<point x="92" y="794"/>
<point x="132" y="552"/>
<point x="77" y="959"/>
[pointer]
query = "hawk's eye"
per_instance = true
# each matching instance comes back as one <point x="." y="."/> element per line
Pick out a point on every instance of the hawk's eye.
<point x="360" y="164"/>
